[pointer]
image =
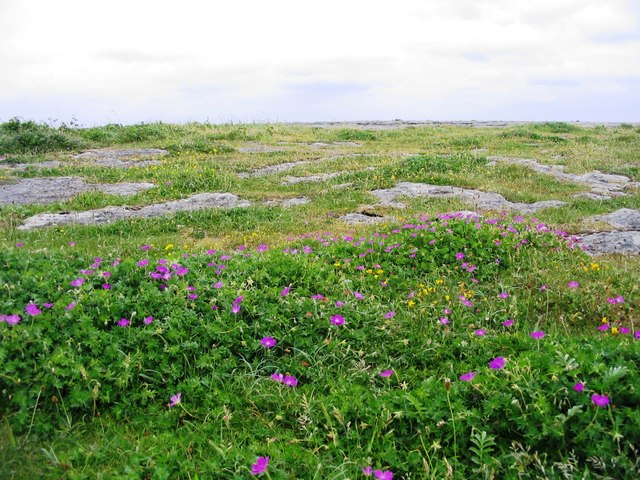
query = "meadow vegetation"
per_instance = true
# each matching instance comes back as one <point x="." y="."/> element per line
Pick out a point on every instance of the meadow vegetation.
<point x="285" y="343"/>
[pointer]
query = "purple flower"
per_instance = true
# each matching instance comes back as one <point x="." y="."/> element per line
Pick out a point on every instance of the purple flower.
<point x="537" y="334"/>
<point x="367" y="470"/>
<point x="573" y="284"/>
<point x="604" y="327"/>
<point x="480" y="332"/>
<point x="386" y="373"/>
<point x="508" y="323"/>
<point x="503" y="295"/>
<point x="614" y="300"/>
<point x="290" y="380"/>
<point x="285" y="292"/>
<point x="32" y="309"/>
<point x="218" y="285"/>
<point x="13" y="319"/>
<point x="459" y="256"/>
<point x="47" y="305"/>
<point x="77" y="282"/>
<point x="71" y="306"/>
<point x="175" y="399"/>
<point x="318" y="297"/>
<point x="497" y="363"/>
<point x="106" y="286"/>
<point x="383" y="474"/>
<point x="543" y="287"/>
<point x="145" y="247"/>
<point x="106" y="274"/>
<point x="262" y="248"/>
<point x="193" y="296"/>
<point x="143" y="263"/>
<point x="600" y="400"/>
<point x="236" y="304"/>
<point x="358" y="295"/>
<point x="260" y="466"/>
<point x="578" y="387"/>
<point x="268" y="342"/>
<point x="148" y="320"/>
<point x="636" y="335"/>
<point x="337" y="320"/>
<point x="278" y="377"/>
<point x="339" y="304"/>
<point x="390" y="314"/>
<point x="123" y="322"/>
<point x="467" y="377"/>
<point x="444" y="320"/>
<point x="19" y="245"/>
<point x="624" y="330"/>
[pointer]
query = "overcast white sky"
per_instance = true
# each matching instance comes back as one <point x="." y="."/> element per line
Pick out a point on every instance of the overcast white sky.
<point x="127" y="61"/>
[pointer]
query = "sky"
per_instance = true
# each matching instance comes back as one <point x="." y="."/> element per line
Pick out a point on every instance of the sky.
<point x="259" y="61"/>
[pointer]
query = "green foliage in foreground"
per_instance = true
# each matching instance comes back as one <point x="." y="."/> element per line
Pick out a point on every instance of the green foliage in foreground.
<point x="423" y="304"/>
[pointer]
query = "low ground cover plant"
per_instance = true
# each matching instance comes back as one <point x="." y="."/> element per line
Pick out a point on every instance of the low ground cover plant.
<point x="410" y="352"/>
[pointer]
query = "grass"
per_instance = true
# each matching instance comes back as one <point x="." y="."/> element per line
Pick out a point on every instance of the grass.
<point x="115" y="320"/>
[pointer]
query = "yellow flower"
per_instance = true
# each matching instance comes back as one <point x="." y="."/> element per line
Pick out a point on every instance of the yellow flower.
<point x="380" y="272"/>
<point x="337" y="264"/>
<point x="411" y="303"/>
<point x="447" y="298"/>
<point x="595" y="266"/>
<point x="604" y="320"/>
<point x="169" y="247"/>
<point x="439" y="281"/>
<point x="614" y="330"/>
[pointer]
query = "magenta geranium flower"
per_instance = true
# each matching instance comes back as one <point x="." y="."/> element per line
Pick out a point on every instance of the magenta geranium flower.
<point x="13" y="319"/>
<point x="573" y="284"/>
<point x="123" y="322"/>
<point x="367" y="470"/>
<point x="537" y="335"/>
<point x="390" y="314"/>
<point x="497" y="363"/>
<point x="290" y="380"/>
<point x="143" y="263"/>
<point x="260" y="466"/>
<point x="480" y="332"/>
<point x="600" y="400"/>
<point x="268" y="342"/>
<point x="578" y="387"/>
<point x="386" y="373"/>
<point x="337" y="320"/>
<point x="236" y="305"/>
<point x="175" y="399"/>
<point x="71" y="306"/>
<point x="467" y="377"/>
<point x="503" y="295"/>
<point x="286" y="291"/>
<point x="383" y="474"/>
<point x="339" y="304"/>
<point x="147" y="320"/>
<point x="32" y="309"/>
<point x="604" y="327"/>
<point x="508" y="323"/>
<point x="77" y="282"/>
<point x="459" y="256"/>
<point x="358" y="295"/>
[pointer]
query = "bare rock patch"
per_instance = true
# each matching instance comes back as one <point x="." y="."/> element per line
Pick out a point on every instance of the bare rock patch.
<point x="257" y="147"/>
<point x="603" y="185"/>
<point x="281" y="167"/>
<point x="112" y="214"/>
<point x="601" y="243"/>
<point x="479" y="199"/>
<point x="54" y="189"/>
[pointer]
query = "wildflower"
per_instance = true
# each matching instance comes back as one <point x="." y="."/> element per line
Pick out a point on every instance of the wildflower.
<point x="145" y="247"/>
<point x="467" y="377"/>
<point x="459" y="256"/>
<point x="47" y="305"/>
<point x="147" y="320"/>
<point x="543" y="287"/>
<point x="143" y="263"/>
<point x="614" y="330"/>
<point x="218" y="285"/>
<point x="77" y="282"/>
<point x="390" y="314"/>
<point x="497" y="363"/>
<point x="480" y="332"/>
<point x="268" y="342"/>
<point x="13" y="319"/>
<point x="337" y="320"/>
<point x="71" y="306"/>
<point x="503" y="295"/>
<point x="383" y="474"/>
<point x="537" y="335"/>
<point x="32" y="309"/>
<point x="236" y="305"/>
<point x="444" y="320"/>
<point x="508" y="323"/>
<point x="260" y="466"/>
<point x="615" y="300"/>
<point x="600" y="400"/>
<point x="624" y="330"/>
<point x="358" y="295"/>
<point x="106" y="286"/>
<point x="604" y="327"/>
<point x="637" y="335"/>
<point x="447" y="311"/>
<point x="278" y="377"/>
<point x="339" y="304"/>
<point x="285" y="292"/>
<point x="578" y="387"/>
<point x="193" y="296"/>
<point x="123" y="322"/>
<point x="573" y="284"/>
<point x="175" y="399"/>
<point x="262" y="248"/>
<point x="367" y="470"/>
<point x="290" y="380"/>
<point x="318" y="297"/>
<point x="386" y="373"/>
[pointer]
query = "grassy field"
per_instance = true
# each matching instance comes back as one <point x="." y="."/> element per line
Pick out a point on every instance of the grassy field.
<point x="433" y="346"/>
